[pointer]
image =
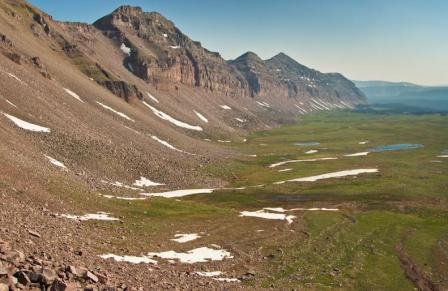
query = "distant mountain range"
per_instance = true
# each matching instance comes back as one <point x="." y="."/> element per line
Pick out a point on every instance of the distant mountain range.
<point x="434" y="98"/>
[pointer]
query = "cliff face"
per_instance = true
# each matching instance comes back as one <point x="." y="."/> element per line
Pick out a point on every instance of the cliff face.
<point x="156" y="51"/>
<point x="282" y="76"/>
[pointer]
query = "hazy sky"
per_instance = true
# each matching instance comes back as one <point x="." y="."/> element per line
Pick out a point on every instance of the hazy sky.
<point x="394" y="40"/>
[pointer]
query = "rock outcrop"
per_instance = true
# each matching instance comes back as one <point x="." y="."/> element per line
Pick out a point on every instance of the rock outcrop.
<point x="155" y="50"/>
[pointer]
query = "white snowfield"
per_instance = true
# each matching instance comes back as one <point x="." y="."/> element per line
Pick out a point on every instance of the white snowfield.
<point x="73" y="94"/>
<point x="364" y="142"/>
<point x="225" y="107"/>
<point x="300" y="161"/>
<point x="126" y="50"/>
<point x="201" y="117"/>
<point x="311" y="152"/>
<point x="339" y="174"/>
<point x="129" y="259"/>
<point x="185" y="237"/>
<point x="442" y="156"/>
<point x="115" y="111"/>
<point x="152" y="97"/>
<point x="26" y="125"/>
<point x="98" y="216"/>
<point x="165" y="143"/>
<point x="227" y="280"/>
<point x="268" y="215"/>
<point x="178" y="193"/>
<point x="285" y="170"/>
<point x="164" y="116"/>
<point x="145" y="182"/>
<point x="56" y="162"/>
<point x="198" y="255"/>
<point x="357" y="154"/>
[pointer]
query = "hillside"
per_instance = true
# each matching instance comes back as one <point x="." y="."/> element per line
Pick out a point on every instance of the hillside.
<point x="95" y="117"/>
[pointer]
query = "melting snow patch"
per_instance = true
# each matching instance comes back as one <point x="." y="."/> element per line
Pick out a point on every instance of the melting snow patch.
<point x="285" y="170"/>
<point x="443" y="156"/>
<point x="357" y="154"/>
<point x="174" y="46"/>
<point x="56" y="162"/>
<point x="125" y="49"/>
<point x="203" y="254"/>
<point x="209" y="274"/>
<point x="240" y="119"/>
<point x="314" y="209"/>
<point x="26" y="125"/>
<point x="227" y="280"/>
<point x="144" y="182"/>
<point x="123" y="198"/>
<point x="224" y="141"/>
<point x="300" y="161"/>
<point x="364" y="142"/>
<point x="225" y="107"/>
<point x="98" y="216"/>
<point x="10" y="103"/>
<point x="73" y="94"/>
<point x="165" y="35"/>
<point x="263" y="104"/>
<point x="311" y="152"/>
<point x="168" y="145"/>
<point x="116" y="112"/>
<point x="185" y="237"/>
<point x="129" y="259"/>
<point x="174" y="121"/>
<point x="339" y="174"/>
<point x="152" y="97"/>
<point x="178" y="193"/>
<point x="268" y="215"/>
<point x="201" y="117"/>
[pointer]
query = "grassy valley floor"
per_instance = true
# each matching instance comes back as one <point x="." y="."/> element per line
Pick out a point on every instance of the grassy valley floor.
<point x="390" y="231"/>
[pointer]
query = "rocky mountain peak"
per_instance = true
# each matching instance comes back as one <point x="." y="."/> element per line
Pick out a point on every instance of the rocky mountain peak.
<point x="248" y="57"/>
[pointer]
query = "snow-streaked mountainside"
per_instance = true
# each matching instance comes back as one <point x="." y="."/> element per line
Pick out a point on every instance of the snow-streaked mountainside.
<point x="106" y="90"/>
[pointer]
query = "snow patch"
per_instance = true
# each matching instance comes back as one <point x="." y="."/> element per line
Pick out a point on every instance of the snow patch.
<point x="178" y="193"/>
<point x="209" y="274"/>
<point x="442" y="156"/>
<point x="26" y="125"/>
<point x="98" y="216"/>
<point x="185" y="237"/>
<point x="300" y="161"/>
<point x="121" y="185"/>
<point x="311" y="152"/>
<point x="285" y="170"/>
<point x="240" y="119"/>
<point x="198" y="255"/>
<point x="169" y="145"/>
<point x="168" y="118"/>
<point x="268" y="215"/>
<point x="144" y="182"/>
<point x="339" y="174"/>
<point x="357" y="154"/>
<point x="364" y="142"/>
<point x="201" y="117"/>
<point x="225" y="107"/>
<point x="129" y="259"/>
<point x="115" y="111"/>
<point x="73" y="94"/>
<point x="10" y="103"/>
<point x="126" y="50"/>
<point x="152" y="97"/>
<point x="56" y="162"/>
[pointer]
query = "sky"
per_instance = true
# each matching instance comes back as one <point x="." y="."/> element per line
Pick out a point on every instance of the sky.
<point x="391" y="40"/>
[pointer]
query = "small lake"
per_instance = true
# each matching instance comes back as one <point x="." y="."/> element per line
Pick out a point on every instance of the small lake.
<point x="307" y="144"/>
<point x="395" y="147"/>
